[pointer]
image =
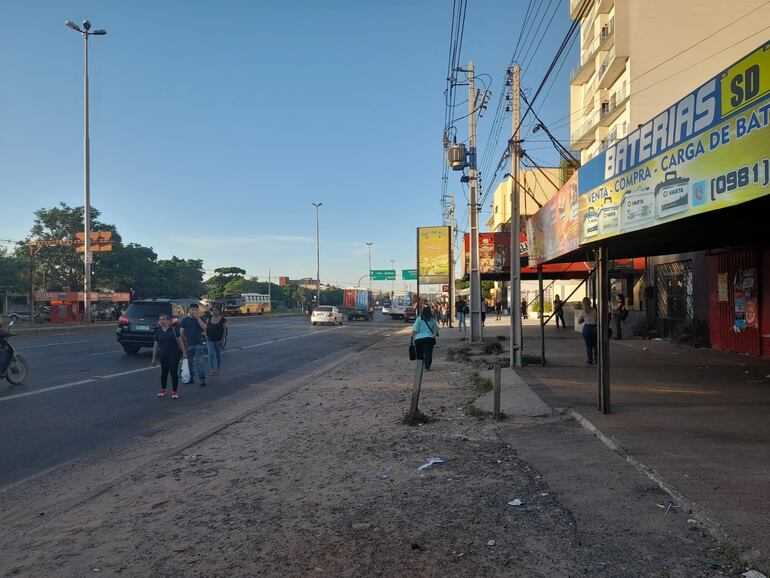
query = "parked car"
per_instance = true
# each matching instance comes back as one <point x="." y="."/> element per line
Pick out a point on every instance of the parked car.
<point x="386" y="308"/>
<point x="326" y="314"/>
<point x="410" y="314"/>
<point x="136" y="326"/>
<point x="41" y="314"/>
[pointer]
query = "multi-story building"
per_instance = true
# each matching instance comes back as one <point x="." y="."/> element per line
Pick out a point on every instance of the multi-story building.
<point x="638" y="57"/>
<point x="536" y="188"/>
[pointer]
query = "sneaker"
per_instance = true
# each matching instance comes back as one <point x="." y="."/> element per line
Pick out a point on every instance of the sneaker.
<point x="162" y="393"/>
<point x="203" y="383"/>
<point x="174" y="395"/>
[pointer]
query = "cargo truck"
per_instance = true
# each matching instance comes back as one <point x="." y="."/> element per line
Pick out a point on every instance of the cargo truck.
<point x="358" y="303"/>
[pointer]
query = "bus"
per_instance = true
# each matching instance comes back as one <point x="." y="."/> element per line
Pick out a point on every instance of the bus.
<point x="399" y="302"/>
<point x="254" y="303"/>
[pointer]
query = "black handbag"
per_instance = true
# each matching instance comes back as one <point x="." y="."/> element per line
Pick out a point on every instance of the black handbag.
<point x="412" y="352"/>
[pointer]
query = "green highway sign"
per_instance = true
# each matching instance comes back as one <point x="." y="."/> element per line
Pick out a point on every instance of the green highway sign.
<point x="409" y="274"/>
<point x="383" y="274"/>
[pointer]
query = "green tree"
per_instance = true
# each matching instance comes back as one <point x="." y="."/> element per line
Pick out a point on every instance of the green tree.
<point x="61" y="268"/>
<point x="131" y="268"/>
<point x="181" y="277"/>
<point x="223" y="275"/>
<point x="13" y="272"/>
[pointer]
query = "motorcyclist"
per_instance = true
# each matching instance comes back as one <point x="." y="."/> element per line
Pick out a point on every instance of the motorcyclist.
<point x="5" y="355"/>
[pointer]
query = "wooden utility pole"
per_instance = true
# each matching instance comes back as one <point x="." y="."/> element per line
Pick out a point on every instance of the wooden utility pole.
<point x="516" y="320"/>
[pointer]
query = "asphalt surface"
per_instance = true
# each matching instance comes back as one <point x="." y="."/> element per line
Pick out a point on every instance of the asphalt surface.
<point x="83" y="392"/>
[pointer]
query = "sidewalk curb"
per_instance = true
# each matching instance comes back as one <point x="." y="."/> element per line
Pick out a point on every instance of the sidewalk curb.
<point x="696" y="510"/>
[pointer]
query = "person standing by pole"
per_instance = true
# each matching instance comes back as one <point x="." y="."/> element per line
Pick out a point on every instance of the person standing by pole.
<point x="169" y="348"/>
<point x="558" y="309"/>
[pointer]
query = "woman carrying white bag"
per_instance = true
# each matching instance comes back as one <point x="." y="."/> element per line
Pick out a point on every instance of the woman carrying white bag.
<point x="168" y="347"/>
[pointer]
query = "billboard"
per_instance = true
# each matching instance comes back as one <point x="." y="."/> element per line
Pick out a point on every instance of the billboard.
<point x="708" y="151"/>
<point x="494" y="252"/>
<point x="555" y="229"/>
<point x="433" y="254"/>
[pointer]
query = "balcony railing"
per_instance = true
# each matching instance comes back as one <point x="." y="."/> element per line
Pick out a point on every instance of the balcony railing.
<point x="616" y="100"/>
<point x="590" y="52"/>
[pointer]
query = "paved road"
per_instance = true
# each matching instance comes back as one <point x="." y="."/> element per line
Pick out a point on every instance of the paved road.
<point x="84" y="392"/>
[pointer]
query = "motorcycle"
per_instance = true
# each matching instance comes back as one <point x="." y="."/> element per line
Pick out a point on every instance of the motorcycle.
<point x="16" y="369"/>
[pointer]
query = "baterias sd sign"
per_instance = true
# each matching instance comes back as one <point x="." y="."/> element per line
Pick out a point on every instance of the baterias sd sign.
<point x="707" y="151"/>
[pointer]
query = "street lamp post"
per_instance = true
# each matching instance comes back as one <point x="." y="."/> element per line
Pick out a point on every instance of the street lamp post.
<point x="370" y="264"/>
<point x="317" y="255"/>
<point x="393" y="266"/>
<point x="86" y="31"/>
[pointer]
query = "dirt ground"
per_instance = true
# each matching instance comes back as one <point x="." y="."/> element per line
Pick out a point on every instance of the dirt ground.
<point x="325" y="482"/>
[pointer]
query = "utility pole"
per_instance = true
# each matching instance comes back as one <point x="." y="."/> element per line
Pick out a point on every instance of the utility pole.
<point x="370" y="264"/>
<point x="474" y="213"/>
<point x="270" y="289"/>
<point x="451" y="308"/>
<point x="317" y="256"/>
<point x="393" y="266"/>
<point x="515" y="304"/>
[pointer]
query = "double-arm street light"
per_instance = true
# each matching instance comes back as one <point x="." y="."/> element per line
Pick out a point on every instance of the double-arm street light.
<point x="317" y="255"/>
<point x="86" y="32"/>
<point x="370" y="264"/>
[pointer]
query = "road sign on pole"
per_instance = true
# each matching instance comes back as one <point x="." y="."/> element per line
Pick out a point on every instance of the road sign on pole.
<point x="409" y="274"/>
<point x="383" y="274"/>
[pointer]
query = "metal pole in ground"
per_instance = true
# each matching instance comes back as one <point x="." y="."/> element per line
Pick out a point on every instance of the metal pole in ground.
<point x="542" y="313"/>
<point x="603" y="326"/>
<point x="418" y="370"/>
<point x="497" y="385"/>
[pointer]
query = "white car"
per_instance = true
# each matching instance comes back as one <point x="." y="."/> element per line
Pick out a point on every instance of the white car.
<point x="326" y="314"/>
<point x="386" y="309"/>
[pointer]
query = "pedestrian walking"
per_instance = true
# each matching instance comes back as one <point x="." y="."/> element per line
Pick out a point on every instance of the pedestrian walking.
<point x="588" y="319"/>
<point x="424" y="333"/>
<point x="169" y="348"/>
<point x="483" y="312"/>
<point x="193" y="330"/>
<point x="524" y="307"/>
<point x="462" y="309"/>
<point x="498" y="310"/>
<point x="216" y="339"/>
<point x="619" y="314"/>
<point x="558" y="308"/>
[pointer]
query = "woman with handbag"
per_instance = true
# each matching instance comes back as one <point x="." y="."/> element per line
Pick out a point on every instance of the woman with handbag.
<point x="168" y="347"/>
<point x="424" y="333"/>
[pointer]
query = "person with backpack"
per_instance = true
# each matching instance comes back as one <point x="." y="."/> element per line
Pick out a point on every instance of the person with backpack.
<point x="619" y="315"/>
<point x="424" y="333"/>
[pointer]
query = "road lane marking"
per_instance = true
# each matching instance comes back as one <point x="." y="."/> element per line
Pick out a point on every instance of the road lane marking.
<point x="46" y="389"/>
<point x="141" y="369"/>
<point x="107" y="352"/>
<point x="53" y="344"/>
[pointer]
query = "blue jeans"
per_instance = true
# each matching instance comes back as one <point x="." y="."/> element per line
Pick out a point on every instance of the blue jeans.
<point x="215" y="354"/>
<point x="196" y="357"/>
<point x="461" y="321"/>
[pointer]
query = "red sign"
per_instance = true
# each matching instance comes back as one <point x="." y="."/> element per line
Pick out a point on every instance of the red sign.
<point x="494" y="252"/>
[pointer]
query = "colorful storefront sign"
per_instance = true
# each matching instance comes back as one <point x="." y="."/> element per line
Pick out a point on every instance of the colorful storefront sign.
<point x="433" y="254"/>
<point x="708" y="151"/>
<point x="494" y="252"/>
<point x="555" y="229"/>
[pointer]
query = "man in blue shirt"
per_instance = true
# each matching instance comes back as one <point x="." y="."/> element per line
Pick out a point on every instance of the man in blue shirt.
<point x="193" y="330"/>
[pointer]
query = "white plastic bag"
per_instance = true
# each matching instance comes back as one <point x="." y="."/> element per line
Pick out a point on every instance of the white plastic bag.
<point x="185" y="373"/>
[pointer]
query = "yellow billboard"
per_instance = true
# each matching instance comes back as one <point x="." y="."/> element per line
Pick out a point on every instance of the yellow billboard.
<point x="433" y="255"/>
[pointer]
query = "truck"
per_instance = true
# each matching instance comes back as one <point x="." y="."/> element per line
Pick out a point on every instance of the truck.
<point x="399" y="302"/>
<point x="358" y="303"/>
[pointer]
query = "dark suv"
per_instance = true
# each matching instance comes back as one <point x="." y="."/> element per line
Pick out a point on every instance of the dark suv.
<point x="136" y="326"/>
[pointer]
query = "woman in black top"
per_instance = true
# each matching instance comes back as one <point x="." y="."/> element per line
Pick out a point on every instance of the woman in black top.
<point x="169" y="347"/>
<point x="216" y="337"/>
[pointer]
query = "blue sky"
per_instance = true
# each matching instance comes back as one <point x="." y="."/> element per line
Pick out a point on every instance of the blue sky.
<point x="214" y="126"/>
